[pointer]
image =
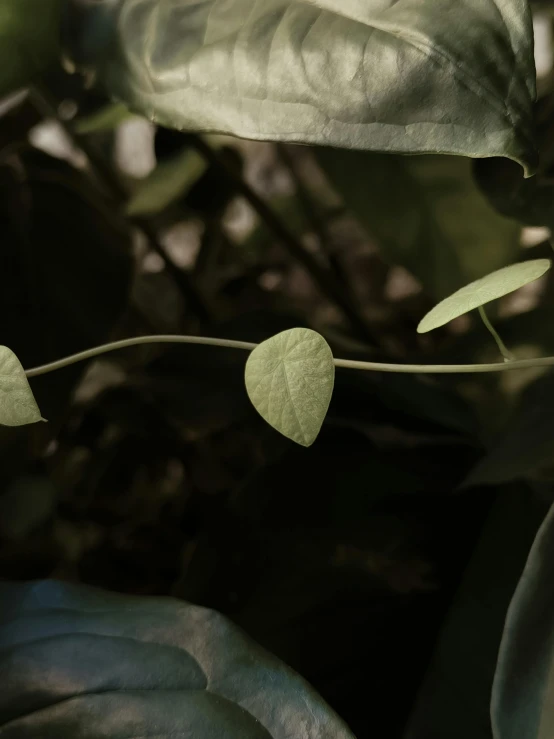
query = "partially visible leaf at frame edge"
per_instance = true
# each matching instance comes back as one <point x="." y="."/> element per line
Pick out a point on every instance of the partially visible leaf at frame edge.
<point x="289" y="379"/>
<point x="80" y="661"/>
<point x="323" y="71"/>
<point x="425" y="213"/>
<point x="522" y="705"/>
<point x="169" y="181"/>
<point x="454" y="701"/>
<point x="29" y="40"/>
<point x="495" y="285"/>
<point x="18" y="406"/>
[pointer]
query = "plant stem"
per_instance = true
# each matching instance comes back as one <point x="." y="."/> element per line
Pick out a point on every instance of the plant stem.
<point x="506" y="353"/>
<point x="248" y="346"/>
<point x="320" y="275"/>
<point x="311" y="211"/>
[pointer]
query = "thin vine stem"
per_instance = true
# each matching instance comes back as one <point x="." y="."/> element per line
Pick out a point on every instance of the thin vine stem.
<point x="436" y="369"/>
<point x="502" y="348"/>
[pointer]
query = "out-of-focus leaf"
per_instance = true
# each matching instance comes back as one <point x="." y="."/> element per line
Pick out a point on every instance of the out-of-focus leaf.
<point x="455" y="698"/>
<point x="522" y="705"/>
<point x="531" y="200"/>
<point x="18" y="406"/>
<point x="171" y="179"/>
<point x="29" y="40"/>
<point x="110" y="665"/>
<point x="105" y="119"/>
<point x="526" y="448"/>
<point x="495" y="285"/>
<point x="27" y="503"/>
<point x="453" y="77"/>
<point x="425" y="213"/>
<point x="289" y="379"/>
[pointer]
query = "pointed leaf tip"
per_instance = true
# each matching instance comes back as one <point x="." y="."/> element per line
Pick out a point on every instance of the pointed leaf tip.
<point x="18" y="406"/>
<point x="289" y="379"/>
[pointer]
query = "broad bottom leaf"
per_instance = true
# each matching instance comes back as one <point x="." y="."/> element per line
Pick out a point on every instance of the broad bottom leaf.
<point x="79" y="662"/>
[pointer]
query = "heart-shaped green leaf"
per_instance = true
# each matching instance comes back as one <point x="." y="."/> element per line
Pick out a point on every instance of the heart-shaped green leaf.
<point x="18" y="406"/>
<point x="289" y="379"/>
<point x="78" y="662"/>
<point x="493" y="286"/>
<point x="448" y="76"/>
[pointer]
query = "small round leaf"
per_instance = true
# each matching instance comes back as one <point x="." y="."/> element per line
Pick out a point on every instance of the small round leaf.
<point x="289" y="379"/>
<point x="493" y="286"/>
<point x="18" y="406"/>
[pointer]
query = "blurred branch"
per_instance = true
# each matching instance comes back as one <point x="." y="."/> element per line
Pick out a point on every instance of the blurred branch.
<point x="109" y="181"/>
<point x="312" y="213"/>
<point x="324" y="279"/>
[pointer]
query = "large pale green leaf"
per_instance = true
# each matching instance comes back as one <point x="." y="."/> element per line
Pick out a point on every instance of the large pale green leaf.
<point x="425" y="213"/>
<point x="29" y="38"/>
<point x="289" y="379"/>
<point x="451" y="76"/>
<point x="81" y="662"/>
<point x="522" y="704"/>
<point x="18" y="406"/>
<point x="482" y="291"/>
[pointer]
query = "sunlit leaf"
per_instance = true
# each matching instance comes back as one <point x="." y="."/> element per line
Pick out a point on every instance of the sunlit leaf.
<point x="522" y="704"/>
<point x="81" y="662"/>
<point x="449" y="76"/>
<point x="289" y="379"/>
<point x="18" y="406"/>
<point x="106" y="119"/>
<point x="170" y="180"/>
<point x="493" y="286"/>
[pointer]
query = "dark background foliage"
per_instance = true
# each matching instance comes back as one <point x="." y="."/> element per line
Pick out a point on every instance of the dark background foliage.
<point x="379" y="563"/>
